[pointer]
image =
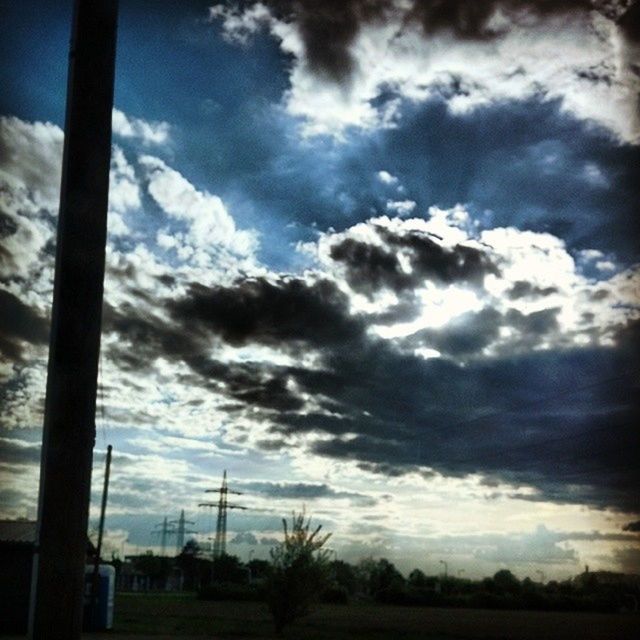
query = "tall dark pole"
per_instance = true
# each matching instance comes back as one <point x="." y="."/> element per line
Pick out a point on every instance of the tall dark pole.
<point x="57" y="587"/>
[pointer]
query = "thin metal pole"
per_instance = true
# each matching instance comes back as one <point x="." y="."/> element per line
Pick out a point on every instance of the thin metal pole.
<point x="163" y="542"/>
<point x="57" y="588"/>
<point x="96" y="563"/>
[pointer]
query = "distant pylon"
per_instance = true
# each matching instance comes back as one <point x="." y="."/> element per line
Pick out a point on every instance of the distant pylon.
<point x="181" y="531"/>
<point x="220" y="541"/>
<point x="166" y="530"/>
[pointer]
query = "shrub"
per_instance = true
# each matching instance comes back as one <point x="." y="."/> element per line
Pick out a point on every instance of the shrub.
<point x="300" y="572"/>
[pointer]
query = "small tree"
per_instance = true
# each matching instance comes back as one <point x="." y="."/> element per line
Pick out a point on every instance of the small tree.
<point x="418" y="580"/>
<point x="300" y="572"/>
<point x="506" y="582"/>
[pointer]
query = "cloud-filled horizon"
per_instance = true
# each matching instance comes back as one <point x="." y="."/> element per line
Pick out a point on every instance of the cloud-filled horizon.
<point x="394" y="279"/>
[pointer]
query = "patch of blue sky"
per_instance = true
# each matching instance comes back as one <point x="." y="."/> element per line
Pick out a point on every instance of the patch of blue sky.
<point x="34" y="50"/>
<point x="491" y="160"/>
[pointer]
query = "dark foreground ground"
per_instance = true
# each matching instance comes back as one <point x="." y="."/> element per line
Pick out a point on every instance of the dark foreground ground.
<point x="159" y="617"/>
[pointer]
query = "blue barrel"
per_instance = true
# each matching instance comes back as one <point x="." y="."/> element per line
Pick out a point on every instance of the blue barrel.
<point x="101" y="618"/>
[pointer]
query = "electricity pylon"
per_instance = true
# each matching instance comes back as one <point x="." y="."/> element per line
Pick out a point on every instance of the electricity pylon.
<point x="181" y="531"/>
<point x="220" y="542"/>
<point x="166" y="530"/>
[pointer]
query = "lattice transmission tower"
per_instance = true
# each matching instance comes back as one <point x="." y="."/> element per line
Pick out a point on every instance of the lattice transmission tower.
<point x="177" y="528"/>
<point x="220" y="541"/>
<point x="181" y="531"/>
<point x="164" y="532"/>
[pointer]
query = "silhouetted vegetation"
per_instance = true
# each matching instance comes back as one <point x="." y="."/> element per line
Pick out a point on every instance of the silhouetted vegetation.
<point x="588" y="592"/>
<point x="300" y="572"/>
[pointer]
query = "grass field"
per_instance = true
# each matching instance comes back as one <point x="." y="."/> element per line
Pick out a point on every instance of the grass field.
<point x="184" y="615"/>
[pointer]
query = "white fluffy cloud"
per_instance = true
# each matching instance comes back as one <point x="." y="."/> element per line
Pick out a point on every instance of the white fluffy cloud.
<point x="30" y="162"/>
<point x="534" y="285"/>
<point x="31" y="158"/>
<point x="401" y="207"/>
<point x="147" y="132"/>
<point x="209" y="223"/>
<point x="124" y="192"/>
<point x="583" y="61"/>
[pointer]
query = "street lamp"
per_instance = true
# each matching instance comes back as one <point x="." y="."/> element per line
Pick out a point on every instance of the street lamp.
<point x="445" y="567"/>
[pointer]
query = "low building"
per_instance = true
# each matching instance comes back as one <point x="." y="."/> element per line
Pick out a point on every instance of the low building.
<point x="17" y="538"/>
<point x="17" y="544"/>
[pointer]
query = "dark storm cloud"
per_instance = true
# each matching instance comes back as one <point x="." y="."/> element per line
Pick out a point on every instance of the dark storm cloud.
<point x="19" y="452"/>
<point x="594" y="535"/>
<point x="628" y="559"/>
<point x="272" y="393"/>
<point x="251" y="384"/>
<point x="536" y="323"/>
<point x="468" y="334"/>
<point x="632" y="526"/>
<point x="394" y="471"/>
<point x="629" y="22"/>
<point x="367" y="447"/>
<point x="524" y="289"/>
<point x="503" y="418"/>
<point x="329" y="27"/>
<point x="19" y="323"/>
<point x="290" y="310"/>
<point x="470" y="19"/>
<point x="371" y="267"/>
<point x="148" y="334"/>
<point x="9" y="498"/>
<point x="561" y="422"/>
<point x="8" y="226"/>
<point x="328" y="422"/>
<point x="303" y="491"/>
<point x="146" y="337"/>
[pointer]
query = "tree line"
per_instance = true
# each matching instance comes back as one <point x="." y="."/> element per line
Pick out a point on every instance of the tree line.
<point x="301" y="573"/>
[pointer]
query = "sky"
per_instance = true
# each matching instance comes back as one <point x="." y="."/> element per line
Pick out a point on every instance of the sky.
<point x="379" y="260"/>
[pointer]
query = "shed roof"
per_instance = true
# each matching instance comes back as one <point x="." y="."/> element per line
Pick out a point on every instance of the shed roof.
<point x="23" y="531"/>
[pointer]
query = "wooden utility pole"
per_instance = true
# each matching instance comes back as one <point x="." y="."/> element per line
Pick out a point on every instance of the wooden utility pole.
<point x="57" y="588"/>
